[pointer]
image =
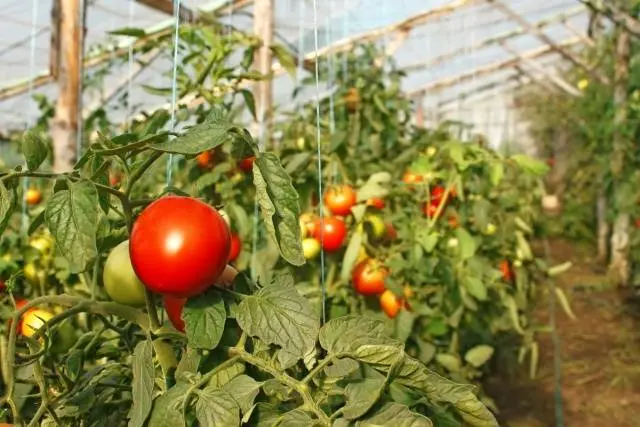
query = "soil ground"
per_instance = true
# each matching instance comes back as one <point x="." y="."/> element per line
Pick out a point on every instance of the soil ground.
<point x="600" y="355"/>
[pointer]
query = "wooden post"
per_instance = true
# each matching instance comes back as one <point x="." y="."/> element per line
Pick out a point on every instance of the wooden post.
<point x="263" y="60"/>
<point x="64" y="126"/>
<point x="619" y="267"/>
<point x="420" y="111"/>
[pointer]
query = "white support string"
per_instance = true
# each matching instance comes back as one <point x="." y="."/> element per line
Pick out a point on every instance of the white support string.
<point x="301" y="48"/>
<point x="345" y="34"/>
<point x="319" y="155"/>
<point x="79" y="117"/>
<point x="132" y="4"/>
<point x="174" y="77"/>
<point x="32" y="66"/>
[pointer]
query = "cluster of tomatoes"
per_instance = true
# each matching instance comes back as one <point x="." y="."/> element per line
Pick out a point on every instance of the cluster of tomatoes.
<point x="178" y="248"/>
<point x="329" y="234"/>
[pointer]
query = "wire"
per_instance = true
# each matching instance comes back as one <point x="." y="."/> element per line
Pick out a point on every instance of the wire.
<point x="79" y="117"/>
<point x="319" y="154"/>
<point x="174" y="78"/>
<point x="132" y="5"/>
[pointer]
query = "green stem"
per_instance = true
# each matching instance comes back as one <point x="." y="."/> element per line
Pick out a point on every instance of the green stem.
<point x="205" y="378"/>
<point x="301" y="388"/>
<point x="151" y="309"/>
<point x="137" y="174"/>
<point x="42" y="385"/>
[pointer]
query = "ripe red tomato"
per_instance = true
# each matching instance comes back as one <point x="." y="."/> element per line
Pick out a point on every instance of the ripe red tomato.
<point x="390" y="303"/>
<point x="636" y="222"/>
<point x="507" y="272"/>
<point x="173" y="307"/>
<point x="411" y="178"/>
<point x="340" y="199"/>
<point x="331" y="232"/>
<point x="247" y="164"/>
<point x="204" y="159"/>
<point x="430" y="209"/>
<point x="453" y="221"/>
<point x="376" y="203"/>
<point x="368" y="277"/>
<point x="179" y="246"/>
<point x="437" y="193"/>
<point x="236" y="247"/>
<point x="115" y="178"/>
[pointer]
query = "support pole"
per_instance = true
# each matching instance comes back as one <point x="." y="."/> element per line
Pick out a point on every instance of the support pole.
<point x="420" y="111"/>
<point x="263" y="11"/>
<point x="619" y="267"/>
<point x="64" y="126"/>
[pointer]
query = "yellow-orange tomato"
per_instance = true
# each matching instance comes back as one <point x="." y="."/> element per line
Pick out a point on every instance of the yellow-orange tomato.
<point x="340" y="199"/>
<point x="376" y="203"/>
<point x="33" y="320"/>
<point x="453" y="221"/>
<point x="390" y="303"/>
<point x="33" y="196"/>
<point x="247" y="164"/>
<point x="307" y="225"/>
<point x="204" y="159"/>
<point x="411" y="178"/>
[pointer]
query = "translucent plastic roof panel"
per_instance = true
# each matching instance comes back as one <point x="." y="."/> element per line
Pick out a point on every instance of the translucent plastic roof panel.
<point x="448" y="45"/>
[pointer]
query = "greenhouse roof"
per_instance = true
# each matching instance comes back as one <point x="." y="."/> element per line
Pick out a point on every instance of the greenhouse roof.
<point x="456" y="52"/>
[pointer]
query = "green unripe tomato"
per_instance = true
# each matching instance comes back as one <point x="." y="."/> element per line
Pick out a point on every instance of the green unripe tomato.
<point x="120" y="281"/>
<point x="42" y="243"/>
<point x="491" y="229"/>
<point x="377" y="226"/>
<point x="310" y="248"/>
<point x="64" y="337"/>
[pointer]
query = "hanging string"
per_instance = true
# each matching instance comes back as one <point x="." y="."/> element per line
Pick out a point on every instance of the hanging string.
<point x="301" y="48"/>
<point x="345" y="34"/>
<point x="132" y="4"/>
<point x="174" y="78"/>
<point x="330" y="84"/>
<point x="319" y="155"/>
<point x="32" y="66"/>
<point x="79" y="116"/>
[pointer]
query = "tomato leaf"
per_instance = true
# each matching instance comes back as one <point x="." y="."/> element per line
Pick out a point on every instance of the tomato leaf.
<point x="374" y="187"/>
<point x="295" y="418"/>
<point x="244" y="390"/>
<point x="128" y="31"/>
<point x="496" y="173"/>
<point x="468" y="245"/>
<point x="285" y="58"/>
<point x="414" y="374"/>
<point x="475" y="287"/>
<point x="216" y="407"/>
<point x="397" y="415"/>
<point x="72" y="217"/>
<point x="278" y="314"/>
<point x="167" y="409"/>
<point x="188" y="364"/>
<point x="227" y="374"/>
<point x="341" y="367"/>
<point x="250" y="102"/>
<point x="7" y="206"/>
<point x="479" y="355"/>
<point x="204" y="317"/>
<point x="142" y="386"/>
<point x="530" y="165"/>
<point x="279" y="205"/>
<point x="34" y="150"/>
<point x="346" y="334"/>
<point x="361" y="396"/>
<point x="209" y="134"/>
<point x="351" y="255"/>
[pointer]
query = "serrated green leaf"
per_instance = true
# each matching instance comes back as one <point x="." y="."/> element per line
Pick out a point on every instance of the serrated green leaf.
<point x="298" y="162"/>
<point x="374" y="187"/>
<point x="413" y="374"/>
<point x="204" y="317"/>
<point x="244" y="390"/>
<point x="216" y="407"/>
<point x="279" y="315"/>
<point x="279" y="205"/>
<point x="467" y="243"/>
<point x="475" y="287"/>
<point x="37" y="222"/>
<point x="142" y="385"/>
<point x="345" y="334"/>
<point x="34" y="150"/>
<point x="7" y="206"/>
<point x="209" y="134"/>
<point x="130" y="32"/>
<point x="72" y="217"/>
<point x="295" y="418"/>
<point x="449" y="361"/>
<point x="74" y="363"/>
<point x="340" y="368"/>
<point x="285" y="58"/>
<point x="228" y="373"/>
<point x="361" y="396"/>
<point x="167" y="409"/>
<point x="250" y="102"/>
<point x="396" y="415"/>
<point x="427" y="239"/>
<point x="478" y="355"/>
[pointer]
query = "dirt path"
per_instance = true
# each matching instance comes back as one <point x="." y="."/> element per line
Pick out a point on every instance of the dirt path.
<point x="600" y="357"/>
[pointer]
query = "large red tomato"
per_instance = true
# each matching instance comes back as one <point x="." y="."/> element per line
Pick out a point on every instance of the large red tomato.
<point x="368" y="277"/>
<point x="331" y="232"/>
<point x="340" y="199"/>
<point x="236" y="247"/>
<point x="173" y="307"/>
<point x="437" y="193"/>
<point x="179" y="246"/>
<point x="430" y="209"/>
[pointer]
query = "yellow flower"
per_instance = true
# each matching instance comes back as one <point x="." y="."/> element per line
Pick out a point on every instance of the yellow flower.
<point x="583" y="84"/>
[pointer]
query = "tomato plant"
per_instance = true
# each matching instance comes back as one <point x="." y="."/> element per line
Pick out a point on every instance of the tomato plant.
<point x="331" y="232"/>
<point x="340" y="199"/>
<point x="368" y="277"/>
<point x="120" y="280"/>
